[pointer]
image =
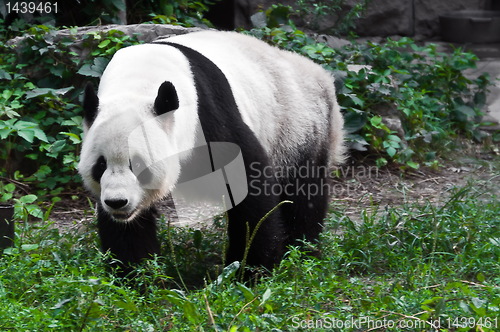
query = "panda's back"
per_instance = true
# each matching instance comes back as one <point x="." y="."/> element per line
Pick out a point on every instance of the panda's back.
<point x="285" y="99"/>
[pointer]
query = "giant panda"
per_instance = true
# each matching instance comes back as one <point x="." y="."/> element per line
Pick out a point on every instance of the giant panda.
<point x="277" y="107"/>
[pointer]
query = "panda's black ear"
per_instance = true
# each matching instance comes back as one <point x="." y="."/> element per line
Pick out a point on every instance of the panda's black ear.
<point x="90" y="104"/>
<point x="167" y="99"/>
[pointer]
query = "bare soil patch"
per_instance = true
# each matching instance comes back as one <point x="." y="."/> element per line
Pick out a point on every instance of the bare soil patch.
<point x="367" y="187"/>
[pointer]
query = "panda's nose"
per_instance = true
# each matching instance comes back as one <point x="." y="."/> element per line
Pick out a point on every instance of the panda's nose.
<point x="116" y="203"/>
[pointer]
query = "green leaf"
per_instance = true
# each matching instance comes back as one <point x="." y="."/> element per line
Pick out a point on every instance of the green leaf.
<point x="27" y="135"/>
<point x="464" y="113"/>
<point x="40" y="135"/>
<point x="380" y="162"/>
<point x="4" y="132"/>
<point x="394" y="138"/>
<point x="34" y="210"/>
<point x="413" y="164"/>
<point x="495" y="241"/>
<point x="10" y="187"/>
<point x="47" y="91"/>
<point x="4" y="75"/>
<point x="43" y="171"/>
<point x="376" y="121"/>
<point x="61" y="303"/>
<point x="357" y="142"/>
<point x="357" y="101"/>
<point x="95" y="69"/>
<point x="178" y="298"/>
<point x="57" y="71"/>
<point x="247" y="292"/>
<point x="354" y="121"/>
<point x="22" y="125"/>
<point x="57" y="146"/>
<point x="167" y="8"/>
<point x="28" y="199"/>
<point x="266" y="296"/>
<point x="5" y="197"/>
<point x="197" y="238"/>
<point x="228" y="272"/>
<point x="69" y="159"/>
<point x="73" y="137"/>
<point x="104" y="43"/>
<point x="29" y="247"/>
<point x="6" y="94"/>
<point x="391" y="151"/>
<point x="278" y="15"/>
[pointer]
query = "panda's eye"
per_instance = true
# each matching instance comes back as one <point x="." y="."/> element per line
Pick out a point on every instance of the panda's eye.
<point x="99" y="168"/>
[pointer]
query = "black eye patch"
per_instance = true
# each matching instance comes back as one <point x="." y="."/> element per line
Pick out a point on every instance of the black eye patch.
<point x="99" y="168"/>
<point x="140" y="169"/>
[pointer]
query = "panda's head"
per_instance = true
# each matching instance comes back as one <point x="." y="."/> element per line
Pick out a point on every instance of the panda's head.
<point x="129" y="157"/>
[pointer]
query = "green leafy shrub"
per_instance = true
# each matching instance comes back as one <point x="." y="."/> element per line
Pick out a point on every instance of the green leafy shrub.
<point x="186" y="13"/>
<point x="424" y="89"/>
<point x="331" y="16"/>
<point x="334" y="17"/>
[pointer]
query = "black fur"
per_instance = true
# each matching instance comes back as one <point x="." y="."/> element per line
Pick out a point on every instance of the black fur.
<point x="130" y="242"/>
<point x="99" y="168"/>
<point x="90" y="104"/>
<point x="305" y="217"/>
<point x="167" y="99"/>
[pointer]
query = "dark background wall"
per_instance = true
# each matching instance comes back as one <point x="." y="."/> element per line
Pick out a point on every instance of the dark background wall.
<point x="382" y="17"/>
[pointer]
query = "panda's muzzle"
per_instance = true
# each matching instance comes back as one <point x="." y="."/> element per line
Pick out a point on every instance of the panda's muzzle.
<point x="117" y="207"/>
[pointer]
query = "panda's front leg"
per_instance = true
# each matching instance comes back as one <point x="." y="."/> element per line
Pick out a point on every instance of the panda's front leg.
<point x="128" y="242"/>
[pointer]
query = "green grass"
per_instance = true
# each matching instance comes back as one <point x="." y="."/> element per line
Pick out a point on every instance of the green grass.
<point x="405" y="268"/>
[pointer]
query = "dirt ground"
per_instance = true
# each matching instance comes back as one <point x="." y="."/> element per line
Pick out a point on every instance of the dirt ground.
<point x="360" y="186"/>
<point x="391" y="188"/>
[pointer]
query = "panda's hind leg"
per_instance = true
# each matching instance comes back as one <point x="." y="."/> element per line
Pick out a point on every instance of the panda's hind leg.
<point x="309" y="193"/>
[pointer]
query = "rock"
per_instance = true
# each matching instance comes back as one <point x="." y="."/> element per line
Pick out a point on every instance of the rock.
<point x="394" y="123"/>
<point x="427" y="13"/>
<point x="333" y="42"/>
<point x="144" y="32"/>
<point x="357" y="68"/>
<point x="386" y="18"/>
